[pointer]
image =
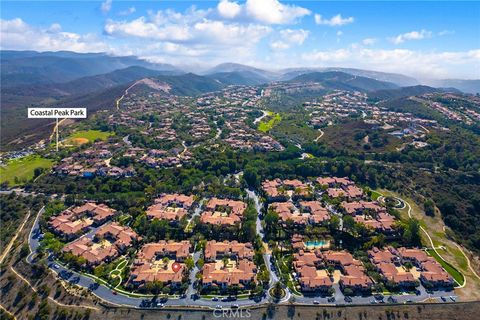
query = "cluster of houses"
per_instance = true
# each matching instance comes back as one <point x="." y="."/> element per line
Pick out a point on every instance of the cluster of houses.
<point x="161" y="261"/>
<point x="171" y="207"/>
<point x="227" y="264"/>
<point x="312" y="270"/>
<point x="223" y="212"/>
<point x="92" y="162"/>
<point x="73" y="222"/>
<point x="293" y="201"/>
<point x="371" y="214"/>
<point x="109" y="242"/>
<point x="245" y="138"/>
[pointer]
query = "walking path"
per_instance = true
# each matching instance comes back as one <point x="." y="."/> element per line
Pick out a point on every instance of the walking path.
<point x="433" y="247"/>
<point x="321" y="135"/>
<point x="12" y="241"/>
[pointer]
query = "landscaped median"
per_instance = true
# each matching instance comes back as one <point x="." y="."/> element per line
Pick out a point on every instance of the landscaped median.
<point x="127" y="293"/>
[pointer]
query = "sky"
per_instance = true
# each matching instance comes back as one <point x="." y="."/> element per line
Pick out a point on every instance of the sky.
<point x="427" y="40"/>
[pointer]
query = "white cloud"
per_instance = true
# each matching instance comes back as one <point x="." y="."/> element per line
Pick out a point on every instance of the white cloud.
<point x="127" y="12"/>
<point x="229" y="9"/>
<point x="446" y="32"/>
<point x="334" y="21"/>
<point x="413" y="35"/>
<point x="294" y="36"/>
<point x="339" y="33"/>
<point x="18" y="35"/>
<point x="289" y="37"/>
<point x="369" y="41"/>
<point x="274" y="12"/>
<point x="106" y="6"/>
<point x="416" y="63"/>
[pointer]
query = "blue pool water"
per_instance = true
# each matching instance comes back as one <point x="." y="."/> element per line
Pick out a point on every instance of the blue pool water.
<point x="316" y="243"/>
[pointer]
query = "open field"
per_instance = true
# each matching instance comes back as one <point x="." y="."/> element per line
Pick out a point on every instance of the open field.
<point x="273" y="119"/>
<point x="19" y="171"/>
<point x="84" y="136"/>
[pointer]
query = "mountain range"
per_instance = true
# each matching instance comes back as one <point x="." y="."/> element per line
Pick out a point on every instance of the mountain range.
<point x="95" y="80"/>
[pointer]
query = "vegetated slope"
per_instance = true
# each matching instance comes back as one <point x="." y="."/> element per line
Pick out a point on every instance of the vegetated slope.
<point x="402" y="92"/>
<point x="26" y="68"/>
<point x="343" y="81"/>
<point x="236" y="67"/>
<point x="17" y="130"/>
<point x="467" y="86"/>
<point x="190" y="84"/>
<point x="239" y="78"/>
<point x="398" y="79"/>
<point x="79" y="86"/>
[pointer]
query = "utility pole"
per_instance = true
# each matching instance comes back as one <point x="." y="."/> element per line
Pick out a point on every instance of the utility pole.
<point x="57" y="134"/>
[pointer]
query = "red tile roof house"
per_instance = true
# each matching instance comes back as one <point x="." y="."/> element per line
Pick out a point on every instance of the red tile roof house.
<point x="272" y="192"/>
<point x="288" y="212"/>
<point x="386" y="264"/>
<point x="242" y="273"/>
<point x="121" y="236"/>
<point x="148" y="265"/>
<point x="217" y="250"/>
<point x="306" y="265"/>
<point x="172" y="207"/>
<point x="100" y="213"/>
<point x="71" y="223"/>
<point x="223" y="212"/>
<point x="353" y="274"/>
<point x="432" y="273"/>
<point x="93" y="253"/>
<point x="333" y="181"/>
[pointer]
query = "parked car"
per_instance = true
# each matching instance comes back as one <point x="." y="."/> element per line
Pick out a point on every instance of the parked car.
<point x="316" y="302"/>
<point x="214" y="299"/>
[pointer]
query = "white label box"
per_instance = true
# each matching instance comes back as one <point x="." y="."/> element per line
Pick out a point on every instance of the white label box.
<point x="55" y="113"/>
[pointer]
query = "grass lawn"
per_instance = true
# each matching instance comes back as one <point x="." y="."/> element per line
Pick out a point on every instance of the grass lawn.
<point x="457" y="275"/>
<point x="375" y="195"/>
<point x="22" y="169"/>
<point x="267" y="126"/>
<point x="85" y="136"/>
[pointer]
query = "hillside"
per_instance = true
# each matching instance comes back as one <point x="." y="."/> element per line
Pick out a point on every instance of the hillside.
<point x="239" y="78"/>
<point x="236" y="67"/>
<point x="343" y="81"/>
<point x="402" y="92"/>
<point x="79" y="86"/>
<point x="398" y="79"/>
<point x="26" y="68"/>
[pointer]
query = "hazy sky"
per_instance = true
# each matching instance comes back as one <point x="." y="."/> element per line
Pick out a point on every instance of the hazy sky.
<point x="422" y="39"/>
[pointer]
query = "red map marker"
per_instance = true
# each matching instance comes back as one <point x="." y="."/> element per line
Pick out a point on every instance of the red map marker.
<point x="176" y="267"/>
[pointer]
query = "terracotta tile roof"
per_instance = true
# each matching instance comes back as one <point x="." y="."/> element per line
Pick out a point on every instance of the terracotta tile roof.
<point x="170" y="207"/>
<point x="310" y="279"/>
<point x="245" y="271"/>
<point x="122" y="235"/>
<point x="241" y="250"/>
<point x="92" y="252"/>
<point x="180" y="249"/>
<point x="73" y="221"/>
<point x="145" y="268"/>
<point x="223" y="212"/>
